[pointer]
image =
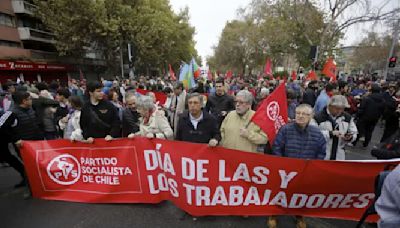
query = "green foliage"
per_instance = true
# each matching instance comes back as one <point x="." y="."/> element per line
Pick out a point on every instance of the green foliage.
<point x="158" y="35"/>
<point x="273" y="29"/>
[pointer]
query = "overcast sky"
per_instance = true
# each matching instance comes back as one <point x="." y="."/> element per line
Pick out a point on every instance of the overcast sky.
<point x="210" y="16"/>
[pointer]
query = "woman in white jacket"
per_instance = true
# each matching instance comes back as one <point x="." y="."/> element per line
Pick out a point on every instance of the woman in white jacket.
<point x="70" y="124"/>
<point x="153" y="123"/>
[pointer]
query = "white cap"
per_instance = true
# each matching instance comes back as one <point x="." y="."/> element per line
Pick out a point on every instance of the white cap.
<point x="264" y="90"/>
<point x="340" y="101"/>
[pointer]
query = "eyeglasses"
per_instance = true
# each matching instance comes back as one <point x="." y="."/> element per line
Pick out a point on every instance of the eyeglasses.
<point x="241" y="102"/>
<point x="303" y="114"/>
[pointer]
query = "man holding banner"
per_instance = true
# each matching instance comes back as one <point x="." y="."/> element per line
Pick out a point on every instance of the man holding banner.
<point x="99" y="117"/>
<point x="299" y="140"/>
<point x="197" y="126"/>
<point x="237" y="130"/>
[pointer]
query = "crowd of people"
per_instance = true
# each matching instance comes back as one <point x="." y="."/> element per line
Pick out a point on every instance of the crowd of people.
<point x="324" y="117"/>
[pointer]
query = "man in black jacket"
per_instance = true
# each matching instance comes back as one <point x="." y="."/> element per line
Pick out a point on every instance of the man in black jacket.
<point x="22" y="125"/>
<point x="220" y="104"/>
<point x="130" y="116"/>
<point x="27" y="127"/>
<point x="8" y="121"/>
<point x="99" y="117"/>
<point x="390" y="115"/>
<point x="310" y="95"/>
<point x="62" y="111"/>
<point x="197" y="126"/>
<point x="369" y="112"/>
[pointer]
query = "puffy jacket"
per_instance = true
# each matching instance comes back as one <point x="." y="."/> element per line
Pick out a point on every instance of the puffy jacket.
<point x="27" y="127"/>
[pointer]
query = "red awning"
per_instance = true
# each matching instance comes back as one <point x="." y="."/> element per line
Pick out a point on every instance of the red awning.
<point x="29" y="66"/>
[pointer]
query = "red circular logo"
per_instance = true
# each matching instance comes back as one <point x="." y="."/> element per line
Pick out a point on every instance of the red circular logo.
<point x="64" y="169"/>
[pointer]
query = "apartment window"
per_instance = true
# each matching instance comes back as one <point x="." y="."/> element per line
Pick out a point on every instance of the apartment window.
<point x="9" y="43"/>
<point x="7" y="20"/>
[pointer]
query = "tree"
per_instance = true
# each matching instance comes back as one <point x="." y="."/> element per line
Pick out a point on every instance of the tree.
<point x="371" y="53"/>
<point x="341" y="14"/>
<point x="268" y="29"/>
<point x="157" y="35"/>
<point x="236" y="48"/>
<point x="286" y="28"/>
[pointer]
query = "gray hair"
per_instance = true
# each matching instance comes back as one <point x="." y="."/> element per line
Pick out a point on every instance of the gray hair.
<point x="306" y="106"/>
<point x="191" y="95"/>
<point x="129" y="95"/>
<point x="247" y="96"/>
<point x="145" y="102"/>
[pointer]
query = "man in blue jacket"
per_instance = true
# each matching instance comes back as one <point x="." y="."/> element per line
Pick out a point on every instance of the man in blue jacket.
<point x="299" y="139"/>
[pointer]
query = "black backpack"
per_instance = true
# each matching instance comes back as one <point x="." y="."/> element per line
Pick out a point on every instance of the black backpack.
<point x="388" y="149"/>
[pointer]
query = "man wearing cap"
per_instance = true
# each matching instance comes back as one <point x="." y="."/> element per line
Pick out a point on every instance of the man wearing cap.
<point x="337" y="126"/>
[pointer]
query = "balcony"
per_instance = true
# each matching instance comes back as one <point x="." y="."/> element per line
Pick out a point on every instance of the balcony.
<point x="26" y="33"/>
<point x="23" y="7"/>
<point x="54" y="57"/>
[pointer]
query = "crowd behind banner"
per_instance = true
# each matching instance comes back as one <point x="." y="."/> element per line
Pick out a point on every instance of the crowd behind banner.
<point x="324" y="117"/>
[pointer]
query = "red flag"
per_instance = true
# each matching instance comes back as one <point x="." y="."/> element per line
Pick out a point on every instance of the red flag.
<point x="209" y="75"/>
<point x="171" y="73"/>
<point x="229" y="74"/>
<point x="311" y="76"/>
<point x="272" y="113"/>
<point x="330" y="69"/>
<point x="294" y="75"/>
<point x="160" y="96"/>
<point x="268" y="68"/>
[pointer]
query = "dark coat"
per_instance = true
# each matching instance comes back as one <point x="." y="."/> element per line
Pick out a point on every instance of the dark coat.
<point x="389" y="149"/>
<point x="130" y="122"/>
<point x="216" y="104"/>
<point x="207" y="129"/>
<point x="309" y="97"/>
<point x="27" y="127"/>
<point x="8" y="121"/>
<point x="371" y="107"/>
<point x="39" y="105"/>
<point x="98" y="121"/>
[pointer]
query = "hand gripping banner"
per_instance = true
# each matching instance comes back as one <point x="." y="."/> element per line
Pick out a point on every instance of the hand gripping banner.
<point x="199" y="179"/>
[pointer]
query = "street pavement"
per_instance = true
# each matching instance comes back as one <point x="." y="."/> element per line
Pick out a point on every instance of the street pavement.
<point x="15" y="211"/>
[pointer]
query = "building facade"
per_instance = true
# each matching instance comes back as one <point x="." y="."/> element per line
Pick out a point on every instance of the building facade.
<point x="27" y="49"/>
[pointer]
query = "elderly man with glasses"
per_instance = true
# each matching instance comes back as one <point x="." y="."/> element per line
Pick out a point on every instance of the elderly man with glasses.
<point x="237" y="130"/>
<point x="299" y="139"/>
